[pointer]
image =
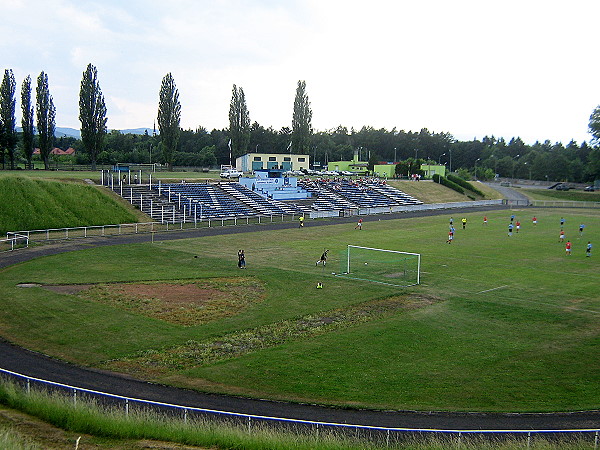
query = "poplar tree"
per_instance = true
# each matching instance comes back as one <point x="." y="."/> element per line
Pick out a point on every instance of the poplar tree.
<point x="594" y="124"/>
<point x="301" y="121"/>
<point x="27" y="120"/>
<point x="92" y="114"/>
<point x="46" y="116"/>
<point x="239" y="122"/>
<point x="169" y="115"/>
<point x="8" y="134"/>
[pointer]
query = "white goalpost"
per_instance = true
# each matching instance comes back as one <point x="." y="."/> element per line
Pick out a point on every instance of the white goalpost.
<point x="379" y="265"/>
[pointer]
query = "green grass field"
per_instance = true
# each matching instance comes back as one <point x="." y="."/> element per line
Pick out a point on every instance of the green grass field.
<point x="499" y="323"/>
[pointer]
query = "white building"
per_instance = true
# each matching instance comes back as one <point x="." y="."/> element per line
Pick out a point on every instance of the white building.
<point x="283" y="161"/>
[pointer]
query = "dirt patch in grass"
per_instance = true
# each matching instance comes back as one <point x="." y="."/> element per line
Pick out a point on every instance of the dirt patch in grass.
<point x="185" y="303"/>
<point x="153" y="364"/>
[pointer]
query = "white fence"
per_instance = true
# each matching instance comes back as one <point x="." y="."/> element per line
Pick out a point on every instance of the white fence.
<point x="563" y="204"/>
<point x="147" y="227"/>
<point x="152" y="227"/>
<point x="382" y="433"/>
<point x="14" y="242"/>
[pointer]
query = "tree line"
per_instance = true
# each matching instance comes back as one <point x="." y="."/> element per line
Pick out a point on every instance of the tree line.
<point x="174" y="146"/>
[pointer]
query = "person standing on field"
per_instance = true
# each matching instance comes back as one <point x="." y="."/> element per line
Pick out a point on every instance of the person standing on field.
<point x="510" y="228"/>
<point x="561" y="238"/>
<point x="485" y="220"/>
<point x="518" y="226"/>
<point x="588" y="249"/>
<point x="562" y="223"/>
<point x="581" y="227"/>
<point x="323" y="259"/>
<point x="568" y="248"/>
<point x="534" y="220"/>
<point x="301" y="222"/>
<point x="464" y="222"/>
<point x="241" y="259"/>
<point x="359" y="224"/>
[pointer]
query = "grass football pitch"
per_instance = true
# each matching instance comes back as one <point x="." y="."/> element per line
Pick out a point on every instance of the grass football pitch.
<point x="499" y="323"/>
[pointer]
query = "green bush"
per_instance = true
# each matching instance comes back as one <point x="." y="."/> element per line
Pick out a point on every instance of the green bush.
<point x="446" y="182"/>
<point x="465" y="184"/>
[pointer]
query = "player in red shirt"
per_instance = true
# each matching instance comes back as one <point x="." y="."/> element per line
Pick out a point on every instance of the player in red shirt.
<point x="568" y="248"/>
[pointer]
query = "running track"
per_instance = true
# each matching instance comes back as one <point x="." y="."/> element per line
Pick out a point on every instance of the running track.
<point x="37" y="365"/>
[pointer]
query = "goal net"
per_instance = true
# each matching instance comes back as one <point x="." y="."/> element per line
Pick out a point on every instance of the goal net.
<point x="381" y="266"/>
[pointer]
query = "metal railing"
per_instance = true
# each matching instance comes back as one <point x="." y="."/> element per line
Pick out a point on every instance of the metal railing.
<point x="14" y="242"/>
<point x="185" y="412"/>
<point x="55" y="234"/>
<point x="553" y="203"/>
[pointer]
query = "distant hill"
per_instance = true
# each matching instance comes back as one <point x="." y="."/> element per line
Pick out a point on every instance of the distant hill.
<point x="67" y="132"/>
<point x="72" y="132"/>
<point x="138" y="131"/>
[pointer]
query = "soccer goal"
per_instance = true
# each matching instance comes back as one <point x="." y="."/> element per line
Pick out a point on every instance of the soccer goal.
<point x="381" y="266"/>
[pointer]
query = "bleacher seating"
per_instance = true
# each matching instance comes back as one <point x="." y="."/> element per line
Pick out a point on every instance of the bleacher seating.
<point x="227" y="200"/>
<point x="205" y="200"/>
<point x="344" y="194"/>
<point x="258" y="202"/>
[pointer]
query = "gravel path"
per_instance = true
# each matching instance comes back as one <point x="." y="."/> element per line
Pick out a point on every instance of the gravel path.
<point x="37" y="365"/>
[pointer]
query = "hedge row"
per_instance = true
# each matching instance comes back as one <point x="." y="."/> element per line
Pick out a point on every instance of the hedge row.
<point x="446" y="182"/>
<point x="465" y="184"/>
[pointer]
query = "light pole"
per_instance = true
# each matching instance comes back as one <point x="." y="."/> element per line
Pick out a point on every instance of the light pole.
<point x="478" y="159"/>
<point x="440" y="159"/>
<point x="514" y="165"/>
<point x="416" y="154"/>
<point x="394" y="155"/>
<point x="529" y="167"/>
<point x="450" y="160"/>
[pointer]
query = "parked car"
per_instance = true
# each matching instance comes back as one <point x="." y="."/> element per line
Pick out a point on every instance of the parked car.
<point x="589" y="188"/>
<point x="231" y="173"/>
<point x="562" y="187"/>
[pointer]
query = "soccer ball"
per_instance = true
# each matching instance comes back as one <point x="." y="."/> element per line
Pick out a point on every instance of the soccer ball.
<point x="366" y="264"/>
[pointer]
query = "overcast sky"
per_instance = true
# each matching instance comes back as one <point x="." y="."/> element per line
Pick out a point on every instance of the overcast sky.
<point x="472" y="68"/>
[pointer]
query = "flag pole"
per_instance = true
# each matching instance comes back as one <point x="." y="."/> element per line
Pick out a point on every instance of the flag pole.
<point x="230" y="155"/>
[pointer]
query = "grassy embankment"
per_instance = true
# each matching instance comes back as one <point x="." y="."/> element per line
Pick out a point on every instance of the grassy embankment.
<point x="55" y="422"/>
<point x="429" y="192"/>
<point x="29" y="204"/>
<point x="551" y="194"/>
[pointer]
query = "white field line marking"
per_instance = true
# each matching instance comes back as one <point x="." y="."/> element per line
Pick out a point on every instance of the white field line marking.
<point x="493" y="289"/>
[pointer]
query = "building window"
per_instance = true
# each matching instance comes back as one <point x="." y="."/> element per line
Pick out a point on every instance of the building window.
<point x="287" y="158"/>
<point x="272" y="158"/>
<point x="301" y="159"/>
<point x="257" y="158"/>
